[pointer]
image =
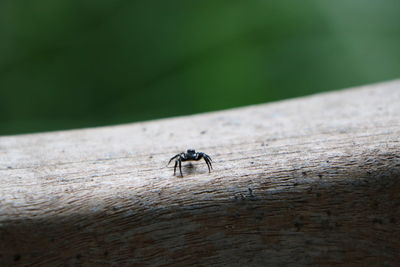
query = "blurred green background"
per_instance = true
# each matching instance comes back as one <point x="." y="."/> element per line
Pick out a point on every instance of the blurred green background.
<point x="79" y="63"/>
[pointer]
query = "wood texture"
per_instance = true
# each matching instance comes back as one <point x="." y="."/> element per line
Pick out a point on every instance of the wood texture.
<point x="313" y="180"/>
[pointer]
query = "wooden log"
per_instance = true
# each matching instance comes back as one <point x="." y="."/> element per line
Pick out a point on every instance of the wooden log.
<point x="307" y="181"/>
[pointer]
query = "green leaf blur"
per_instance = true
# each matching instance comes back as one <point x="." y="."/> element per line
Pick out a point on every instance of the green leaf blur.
<point x="71" y="64"/>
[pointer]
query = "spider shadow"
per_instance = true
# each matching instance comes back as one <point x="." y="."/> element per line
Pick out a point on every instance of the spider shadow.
<point x="188" y="169"/>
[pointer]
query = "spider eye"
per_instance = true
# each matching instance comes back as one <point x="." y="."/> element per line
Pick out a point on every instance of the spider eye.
<point x="191" y="151"/>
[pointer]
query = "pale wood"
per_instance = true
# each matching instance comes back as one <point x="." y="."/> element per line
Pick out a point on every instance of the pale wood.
<point x="313" y="180"/>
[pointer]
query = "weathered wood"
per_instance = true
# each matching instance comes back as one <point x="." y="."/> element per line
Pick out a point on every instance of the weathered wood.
<point x="313" y="180"/>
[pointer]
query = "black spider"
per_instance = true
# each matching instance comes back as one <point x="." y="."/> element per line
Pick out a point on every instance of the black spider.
<point x="190" y="154"/>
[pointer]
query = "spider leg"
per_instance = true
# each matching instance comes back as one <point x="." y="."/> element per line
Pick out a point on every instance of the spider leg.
<point x="174" y="157"/>
<point x="180" y="166"/>
<point x="176" y="164"/>
<point x="207" y="160"/>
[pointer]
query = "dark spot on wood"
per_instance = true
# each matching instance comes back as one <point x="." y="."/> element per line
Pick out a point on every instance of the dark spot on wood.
<point x="326" y="224"/>
<point x="17" y="257"/>
<point x="260" y="216"/>
<point x="239" y="196"/>
<point x="250" y="192"/>
<point x="78" y="256"/>
<point x="327" y="161"/>
<point x="105" y="253"/>
<point x="252" y="162"/>
<point x="298" y="225"/>
<point x="203" y="132"/>
<point x="150" y="157"/>
<point x="377" y="220"/>
<point x="392" y="220"/>
<point x="295" y="184"/>
<point x="328" y="212"/>
<point x="318" y="194"/>
<point x="304" y="173"/>
<point x="9" y="167"/>
<point x="320" y="176"/>
<point x="144" y="129"/>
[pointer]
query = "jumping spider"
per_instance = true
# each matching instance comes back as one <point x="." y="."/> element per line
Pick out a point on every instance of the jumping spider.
<point x="190" y="154"/>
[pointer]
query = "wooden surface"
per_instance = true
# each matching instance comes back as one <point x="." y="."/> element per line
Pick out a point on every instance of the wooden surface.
<point x="313" y="180"/>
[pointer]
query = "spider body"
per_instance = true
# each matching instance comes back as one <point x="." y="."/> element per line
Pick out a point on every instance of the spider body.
<point x="190" y="155"/>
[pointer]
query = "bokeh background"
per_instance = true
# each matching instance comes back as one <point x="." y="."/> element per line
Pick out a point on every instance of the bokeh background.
<point x="79" y="63"/>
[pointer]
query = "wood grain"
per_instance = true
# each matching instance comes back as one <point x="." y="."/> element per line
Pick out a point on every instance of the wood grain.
<point x="307" y="181"/>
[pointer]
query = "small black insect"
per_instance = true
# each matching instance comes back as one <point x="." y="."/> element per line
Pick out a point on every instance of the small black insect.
<point x="190" y="154"/>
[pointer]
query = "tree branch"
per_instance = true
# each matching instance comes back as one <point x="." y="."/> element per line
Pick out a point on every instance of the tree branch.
<point x="313" y="180"/>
